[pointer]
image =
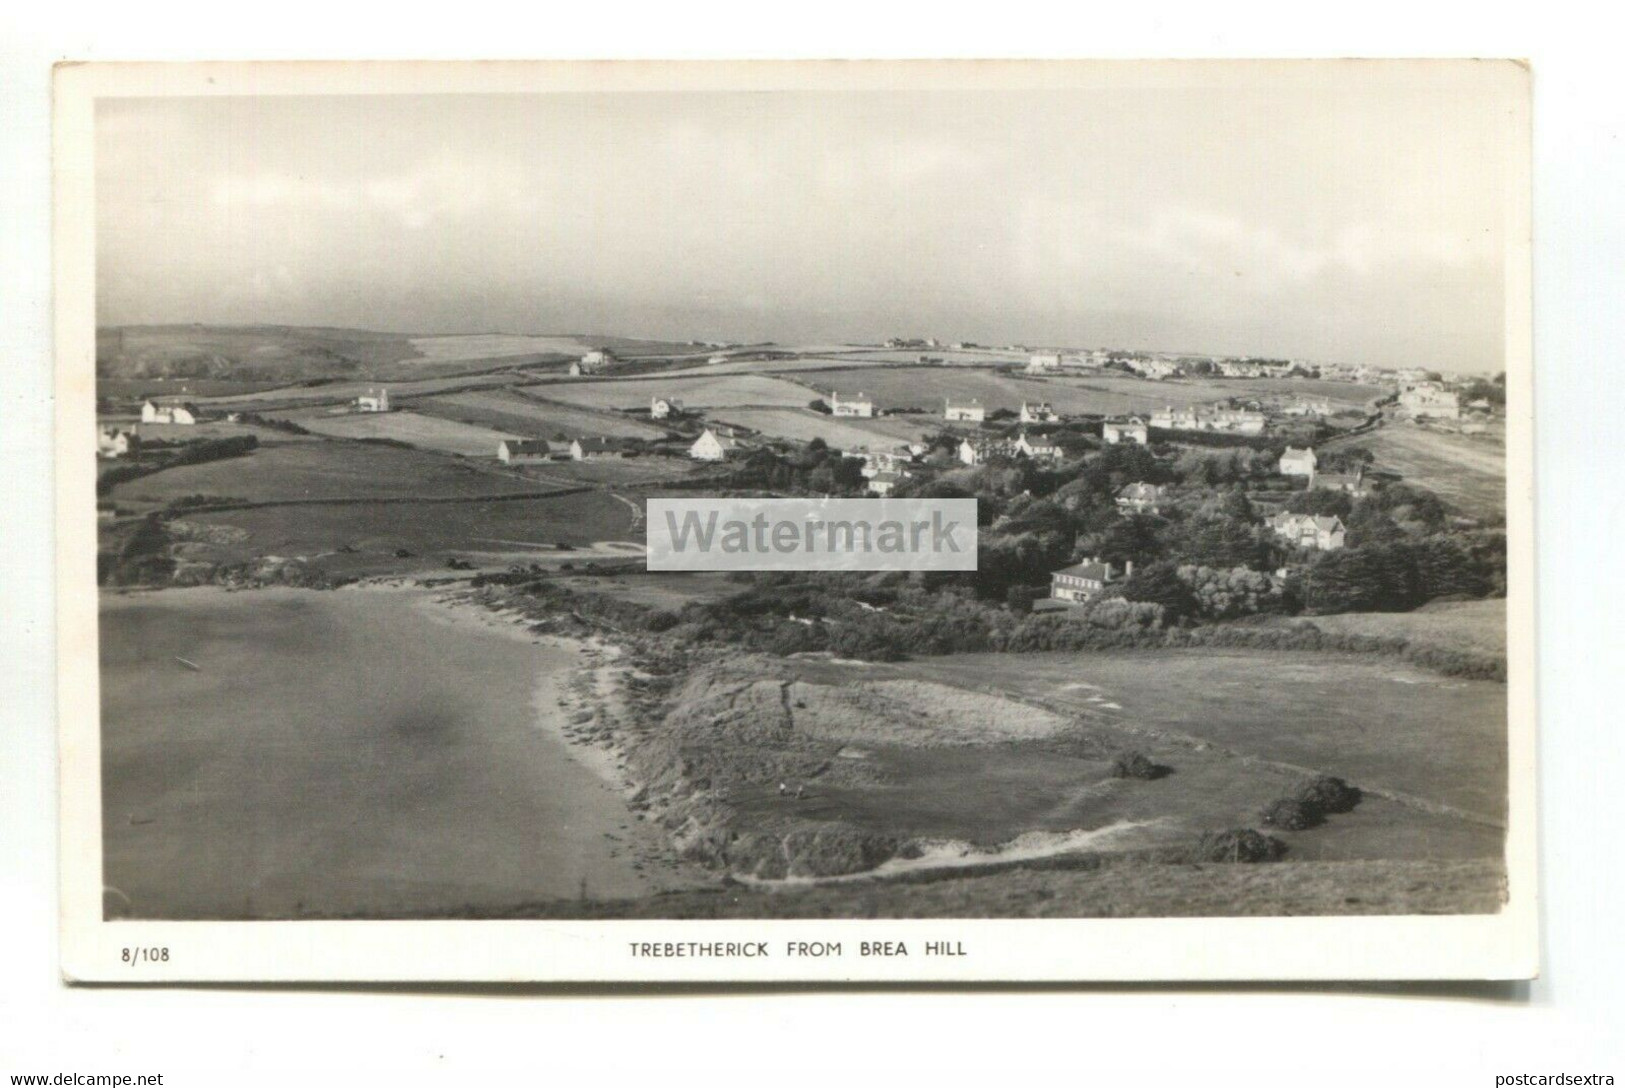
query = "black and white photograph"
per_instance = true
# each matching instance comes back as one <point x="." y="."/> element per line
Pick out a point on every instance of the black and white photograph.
<point x="400" y="387"/>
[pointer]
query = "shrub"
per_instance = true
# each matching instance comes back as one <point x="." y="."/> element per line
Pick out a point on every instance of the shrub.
<point x="1135" y="765"/>
<point x="1239" y="844"/>
<point x="1326" y="793"/>
<point x="1291" y="815"/>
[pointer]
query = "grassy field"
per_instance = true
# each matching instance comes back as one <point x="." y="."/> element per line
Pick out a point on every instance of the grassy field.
<point x="1478" y="627"/>
<point x="415" y="428"/>
<point x="294" y="397"/>
<point x="245" y="352"/>
<point x="141" y="388"/>
<point x="666" y="591"/>
<point x="445" y="349"/>
<point x="696" y="391"/>
<point x="803" y="425"/>
<point x="533" y="417"/>
<point x="630" y="472"/>
<point x="323" y="469"/>
<point x="1375" y="723"/>
<point x="1467" y="473"/>
<point x="363" y="539"/>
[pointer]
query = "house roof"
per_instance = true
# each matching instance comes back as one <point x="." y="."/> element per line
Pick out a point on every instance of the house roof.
<point x="1295" y="454"/>
<point x="1100" y="572"/>
<point x="727" y="442"/>
<point x="1139" y="491"/>
<point x="527" y="445"/>
<point x="601" y="445"/>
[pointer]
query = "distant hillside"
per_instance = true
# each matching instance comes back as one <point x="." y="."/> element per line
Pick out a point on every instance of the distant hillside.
<point x="245" y="353"/>
<point x="283" y="353"/>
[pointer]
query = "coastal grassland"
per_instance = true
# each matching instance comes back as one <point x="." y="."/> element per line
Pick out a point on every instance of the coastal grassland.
<point x="613" y="472"/>
<point x="1096" y="888"/>
<point x="652" y="590"/>
<point x="897" y="756"/>
<point x="414" y="428"/>
<point x="1469" y="473"/>
<point x="534" y="417"/>
<point x="323" y="469"/>
<point x="696" y="391"/>
<point x="244" y="352"/>
<point x="356" y="540"/>
<point x="1378" y="723"/>
<point x="1473" y="627"/>
<point x="804" y="425"/>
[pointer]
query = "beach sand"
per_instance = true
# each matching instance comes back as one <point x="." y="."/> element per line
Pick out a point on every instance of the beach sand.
<point x="369" y="752"/>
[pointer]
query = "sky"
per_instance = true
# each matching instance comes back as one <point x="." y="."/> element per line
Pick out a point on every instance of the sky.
<point x="1345" y="220"/>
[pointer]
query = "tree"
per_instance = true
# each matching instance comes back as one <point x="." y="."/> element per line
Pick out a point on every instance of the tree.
<point x="1322" y="502"/>
<point x="1159" y="583"/>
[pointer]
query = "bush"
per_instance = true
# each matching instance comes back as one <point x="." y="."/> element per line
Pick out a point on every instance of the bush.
<point x="1239" y="844"/>
<point x="661" y="621"/>
<point x="1327" y="794"/>
<point x="1136" y="765"/>
<point x="1291" y="815"/>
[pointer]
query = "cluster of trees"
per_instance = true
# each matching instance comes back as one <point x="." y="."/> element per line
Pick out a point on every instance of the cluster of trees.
<point x="814" y="468"/>
<point x="1399" y="576"/>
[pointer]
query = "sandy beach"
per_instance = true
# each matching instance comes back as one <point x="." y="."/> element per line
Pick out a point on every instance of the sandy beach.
<point x="373" y="751"/>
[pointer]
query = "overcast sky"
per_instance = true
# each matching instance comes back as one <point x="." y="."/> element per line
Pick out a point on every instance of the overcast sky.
<point x="1356" y="222"/>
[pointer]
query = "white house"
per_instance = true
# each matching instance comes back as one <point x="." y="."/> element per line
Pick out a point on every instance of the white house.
<point x="1155" y="369"/>
<point x="664" y="407"/>
<point x="716" y="359"/>
<point x="970" y="411"/>
<point x="1227" y="420"/>
<point x="1044" y="362"/>
<point x="112" y="443"/>
<point x="1083" y="580"/>
<point x="1430" y="401"/>
<point x="975" y="453"/>
<point x="373" y="400"/>
<point x="181" y="414"/>
<point x="1132" y="430"/>
<point x="1309" y="530"/>
<point x="711" y="446"/>
<point x="1037" y="413"/>
<point x="520" y="451"/>
<point x="882" y="483"/>
<point x="1352" y="482"/>
<point x="1318" y="407"/>
<point x="1139" y="498"/>
<point x="1296" y="462"/>
<point x="1039" y="449"/>
<point x="597" y="449"/>
<point x="594" y="362"/>
<point x="860" y="406"/>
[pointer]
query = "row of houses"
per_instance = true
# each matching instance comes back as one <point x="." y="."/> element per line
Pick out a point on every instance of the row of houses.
<point x="1430" y="400"/>
<point x="954" y="411"/>
<point x="520" y="451"/>
<point x="981" y="450"/>
<point x="1209" y="418"/>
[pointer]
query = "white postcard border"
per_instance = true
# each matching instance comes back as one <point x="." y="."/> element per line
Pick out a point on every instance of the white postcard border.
<point x="1500" y="946"/>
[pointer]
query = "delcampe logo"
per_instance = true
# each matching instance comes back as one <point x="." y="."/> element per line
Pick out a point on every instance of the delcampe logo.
<point x="811" y="534"/>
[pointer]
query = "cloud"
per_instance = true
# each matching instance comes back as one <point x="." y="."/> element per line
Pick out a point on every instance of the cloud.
<point x="445" y="188"/>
